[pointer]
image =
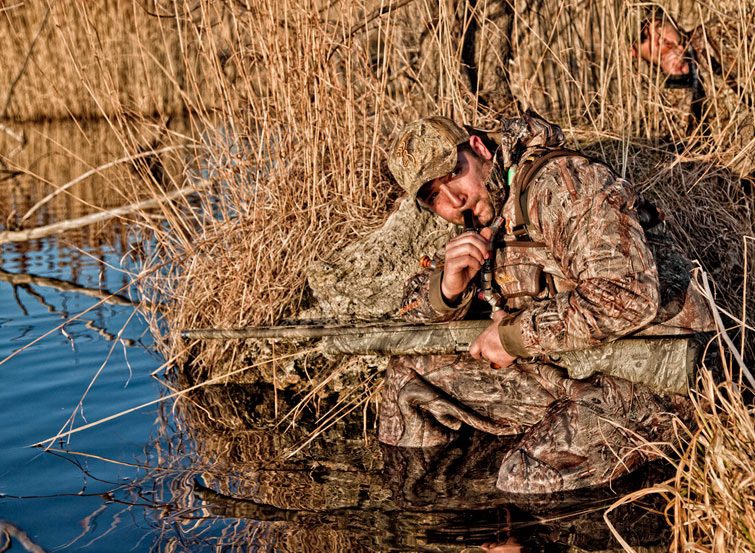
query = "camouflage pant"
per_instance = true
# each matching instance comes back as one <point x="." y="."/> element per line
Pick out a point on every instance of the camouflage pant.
<point x="571" y="433"/>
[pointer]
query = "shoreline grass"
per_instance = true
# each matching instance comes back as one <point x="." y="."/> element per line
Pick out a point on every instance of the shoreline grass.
<point x="290" y="106"/>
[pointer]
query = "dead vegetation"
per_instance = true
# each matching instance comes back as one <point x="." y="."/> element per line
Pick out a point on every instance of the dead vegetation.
<point x="290" y="106"/>
<point x="710" y="504"/>
<point x="128" y="59"/>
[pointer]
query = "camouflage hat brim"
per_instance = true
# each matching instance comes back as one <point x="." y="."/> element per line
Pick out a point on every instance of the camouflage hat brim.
<point x="425" y="150"/>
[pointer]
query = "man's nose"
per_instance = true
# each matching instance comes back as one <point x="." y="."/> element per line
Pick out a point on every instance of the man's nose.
<point x="456" y="199"/>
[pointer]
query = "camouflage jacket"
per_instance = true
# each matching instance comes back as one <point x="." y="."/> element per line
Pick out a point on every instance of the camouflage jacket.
<point x="584" y="275"/>
<point x="715" y="107"/>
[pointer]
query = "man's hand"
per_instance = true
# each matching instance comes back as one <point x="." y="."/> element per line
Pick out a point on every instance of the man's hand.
<point x="465" y="254"/>
<point x="511" y="545"/>
<point x="488" y="345"/>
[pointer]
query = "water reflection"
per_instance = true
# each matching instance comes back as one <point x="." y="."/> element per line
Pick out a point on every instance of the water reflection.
<point x="232" y="487"/>
<point x="57" y="295"/>
<point x="55" y="153"/>
<point x="43" y="384"/>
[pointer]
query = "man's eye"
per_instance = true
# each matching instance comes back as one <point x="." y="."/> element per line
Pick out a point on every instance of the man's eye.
<point x="431" y="198"/>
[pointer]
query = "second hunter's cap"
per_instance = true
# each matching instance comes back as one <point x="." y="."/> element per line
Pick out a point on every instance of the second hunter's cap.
<point x="425" y="150"/>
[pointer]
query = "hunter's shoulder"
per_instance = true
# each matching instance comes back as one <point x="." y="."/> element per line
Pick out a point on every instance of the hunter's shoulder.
<point x="573" y="176"/>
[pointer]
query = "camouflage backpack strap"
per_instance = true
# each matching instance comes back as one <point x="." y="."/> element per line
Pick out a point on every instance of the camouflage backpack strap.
<point x="527" y="171"/>
<point x="522" y="272"/>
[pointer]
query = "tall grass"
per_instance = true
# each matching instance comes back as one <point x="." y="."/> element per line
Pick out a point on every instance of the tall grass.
<point x="119" y="47"/>
<point x="710" y="500"/>
<point x="290" y="106"/>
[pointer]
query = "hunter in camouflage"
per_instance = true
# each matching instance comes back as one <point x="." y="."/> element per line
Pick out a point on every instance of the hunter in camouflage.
<point x="704" y="86"/>
<point x="573" y="269"/>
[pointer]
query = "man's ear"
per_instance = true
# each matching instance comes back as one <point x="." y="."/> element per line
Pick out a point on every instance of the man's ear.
<point x="479" y="147"/>
<point x="634" y="53"/>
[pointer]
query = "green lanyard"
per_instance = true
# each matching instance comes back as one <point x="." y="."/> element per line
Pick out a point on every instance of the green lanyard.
<point x="510" y="176"/>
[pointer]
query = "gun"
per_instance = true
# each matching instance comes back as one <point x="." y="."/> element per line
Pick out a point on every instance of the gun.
<point x="663" y="362"/>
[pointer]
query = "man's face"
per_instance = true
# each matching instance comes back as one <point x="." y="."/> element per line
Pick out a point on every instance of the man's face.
<point x="664" y="46"/>
<point x="462" y="189"/>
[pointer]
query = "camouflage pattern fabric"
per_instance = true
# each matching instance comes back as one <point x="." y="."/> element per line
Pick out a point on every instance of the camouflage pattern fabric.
<point x="716" y="107"/>
<point x="584" y="275"/>
<point x="572" y="433"/>
<point x="425" y="150"/>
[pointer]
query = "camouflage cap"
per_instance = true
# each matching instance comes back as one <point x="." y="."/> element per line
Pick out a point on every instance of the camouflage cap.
<point x="425" y="150"/>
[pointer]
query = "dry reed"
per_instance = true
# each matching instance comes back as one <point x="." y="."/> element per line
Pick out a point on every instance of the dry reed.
<point x="710" y="501"/>
<point x="119" y="45"/>
<point x="291" y="104"/>
<point x="712" y="498"/>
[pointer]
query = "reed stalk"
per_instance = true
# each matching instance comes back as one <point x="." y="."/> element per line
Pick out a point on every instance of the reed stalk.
<point x="290" y="107"/>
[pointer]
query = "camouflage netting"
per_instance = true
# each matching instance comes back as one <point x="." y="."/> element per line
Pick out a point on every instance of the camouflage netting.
<point x="365" y="280"/>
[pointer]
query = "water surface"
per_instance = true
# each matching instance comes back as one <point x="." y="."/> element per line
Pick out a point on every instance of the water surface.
<point x="57" y="499"/>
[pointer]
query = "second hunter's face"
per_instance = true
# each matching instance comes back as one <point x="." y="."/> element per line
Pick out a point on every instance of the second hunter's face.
<point x="664" y="46"/>
<point x="463" y="188"/>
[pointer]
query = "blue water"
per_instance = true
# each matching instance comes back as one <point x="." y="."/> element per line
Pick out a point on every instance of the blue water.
<point x="58" y="499"/>
<point x="104" y="493"/>
<point x="101" y="493"/>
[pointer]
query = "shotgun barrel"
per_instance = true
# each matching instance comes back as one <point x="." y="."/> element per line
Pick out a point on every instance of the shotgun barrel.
<point x="663" y="362"/>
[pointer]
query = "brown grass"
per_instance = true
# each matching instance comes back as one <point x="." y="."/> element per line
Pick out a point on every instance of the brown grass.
<point x="118" y="46"/>
<point x="710" y="501"/>
<point x="291" y="105"/>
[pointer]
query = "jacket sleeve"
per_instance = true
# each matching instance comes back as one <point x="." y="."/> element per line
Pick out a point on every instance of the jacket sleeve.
<point x="423" y="302"/>
<point x="585" y="215"/>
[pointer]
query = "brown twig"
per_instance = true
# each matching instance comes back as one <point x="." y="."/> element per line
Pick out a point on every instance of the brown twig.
<point x="12" y="531"/>
<point x="105" y="215"/>
<point x="95" y="171"/>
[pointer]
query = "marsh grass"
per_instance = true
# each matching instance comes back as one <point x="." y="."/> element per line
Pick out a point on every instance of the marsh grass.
<point x="126" y="58"/>
<point x="710" y="501"/>
<point x="288" y="108"/>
